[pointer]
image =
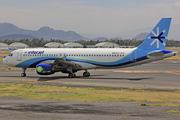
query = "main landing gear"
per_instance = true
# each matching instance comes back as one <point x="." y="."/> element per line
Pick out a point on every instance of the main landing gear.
<point x="86" y="74"/>
<point x="72" y="75"/>
<point x="24" y="72"/>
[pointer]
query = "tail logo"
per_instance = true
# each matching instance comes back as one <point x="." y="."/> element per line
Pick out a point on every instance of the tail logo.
<point x="157" y="37"/>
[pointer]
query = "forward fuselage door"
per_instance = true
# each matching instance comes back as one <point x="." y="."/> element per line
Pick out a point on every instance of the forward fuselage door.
<point x="19" y="55"/>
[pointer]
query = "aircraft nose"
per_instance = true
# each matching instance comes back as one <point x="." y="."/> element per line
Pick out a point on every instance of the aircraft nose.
<point x="3" y="61"/>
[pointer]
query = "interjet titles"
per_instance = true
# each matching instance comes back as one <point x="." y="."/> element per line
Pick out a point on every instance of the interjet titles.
<point x="35" y="52"/>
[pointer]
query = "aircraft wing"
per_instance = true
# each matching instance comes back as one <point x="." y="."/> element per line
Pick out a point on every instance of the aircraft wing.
<point x="64" y="62"/>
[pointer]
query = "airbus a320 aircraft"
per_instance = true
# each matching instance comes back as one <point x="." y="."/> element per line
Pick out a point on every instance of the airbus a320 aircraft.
<point x="47" y="61"/>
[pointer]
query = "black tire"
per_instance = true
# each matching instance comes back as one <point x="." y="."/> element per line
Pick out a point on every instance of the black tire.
<point x="86" y="74"/>
<point x="23" y="74"/>
<point x="72" y="75"/>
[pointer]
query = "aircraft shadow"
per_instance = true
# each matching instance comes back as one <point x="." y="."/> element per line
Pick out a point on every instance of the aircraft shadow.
<point x="92" y="77"/>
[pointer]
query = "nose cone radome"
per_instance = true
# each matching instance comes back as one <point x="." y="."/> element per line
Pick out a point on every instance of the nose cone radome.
<point x="3" y="61"/>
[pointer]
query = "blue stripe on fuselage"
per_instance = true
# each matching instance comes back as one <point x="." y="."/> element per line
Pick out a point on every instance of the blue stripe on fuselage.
<point x="127" y="60"/>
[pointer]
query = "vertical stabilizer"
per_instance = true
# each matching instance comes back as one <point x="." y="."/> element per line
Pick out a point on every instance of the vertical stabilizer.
<point x="157" y="37"/>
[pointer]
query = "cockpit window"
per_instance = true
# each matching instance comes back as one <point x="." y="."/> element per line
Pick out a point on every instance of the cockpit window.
<point x="10" y="54"/>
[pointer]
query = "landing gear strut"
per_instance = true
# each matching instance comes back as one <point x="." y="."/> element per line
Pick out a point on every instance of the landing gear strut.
<point x="72" y="75"/>
<point x="86" y="74"/>
<point x="24" y="72"/>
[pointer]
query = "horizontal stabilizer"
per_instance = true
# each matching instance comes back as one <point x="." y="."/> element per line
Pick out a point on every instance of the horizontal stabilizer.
<point x="155" y="54"/>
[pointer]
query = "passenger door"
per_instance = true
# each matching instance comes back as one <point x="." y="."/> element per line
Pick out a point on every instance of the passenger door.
<point x="19" y="56"/>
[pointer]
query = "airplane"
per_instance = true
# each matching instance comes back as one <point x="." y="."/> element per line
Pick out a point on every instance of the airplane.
<point x="48" y="61"/>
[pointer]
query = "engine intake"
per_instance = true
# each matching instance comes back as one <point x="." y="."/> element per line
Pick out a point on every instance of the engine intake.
<point x="45" y="69"/>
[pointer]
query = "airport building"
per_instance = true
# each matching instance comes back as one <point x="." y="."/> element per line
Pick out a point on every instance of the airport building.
<point x="73" y="45"/>
<point x="18" y="45"/>
<point x="54" y="45"/>
<point x="106" y="45"/>
<point x="4" y="46"/>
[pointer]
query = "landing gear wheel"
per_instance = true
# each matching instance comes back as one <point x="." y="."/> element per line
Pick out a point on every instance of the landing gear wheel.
<point x="86" y="74"/>
<point x="72" y="75"/>
<point x="23" y="74"/>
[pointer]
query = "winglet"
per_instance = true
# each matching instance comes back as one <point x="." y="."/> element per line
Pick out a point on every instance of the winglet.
<point x="64" y="58"/>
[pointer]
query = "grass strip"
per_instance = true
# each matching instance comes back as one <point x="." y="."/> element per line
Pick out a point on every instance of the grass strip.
<point x="176" y="57"/>
<point x="5" y="51"/>
<point x="83" y="94"/>
<point x="174" y="111"/>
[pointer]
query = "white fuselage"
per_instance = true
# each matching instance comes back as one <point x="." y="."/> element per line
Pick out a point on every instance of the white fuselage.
<point x="88" y="58"/>
<point x="101" y="55"/>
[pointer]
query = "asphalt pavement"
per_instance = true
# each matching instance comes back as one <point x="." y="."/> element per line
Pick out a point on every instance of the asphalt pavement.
<point x="161" y="75"/>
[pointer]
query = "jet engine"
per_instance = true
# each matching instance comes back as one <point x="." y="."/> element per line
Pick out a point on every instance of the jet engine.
<point x="46" y="69"/>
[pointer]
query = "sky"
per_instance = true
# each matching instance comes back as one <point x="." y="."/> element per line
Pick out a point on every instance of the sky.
<point x="88" y="16"/>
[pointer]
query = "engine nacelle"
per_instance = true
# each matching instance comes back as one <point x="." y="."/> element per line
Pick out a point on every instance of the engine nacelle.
<point x="45" y="69"/>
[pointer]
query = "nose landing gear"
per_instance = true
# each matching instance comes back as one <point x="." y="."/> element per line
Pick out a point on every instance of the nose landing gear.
<point x="24" y="72"/>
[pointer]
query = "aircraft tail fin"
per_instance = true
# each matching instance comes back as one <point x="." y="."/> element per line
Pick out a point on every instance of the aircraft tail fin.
<point x="157" y="37"/>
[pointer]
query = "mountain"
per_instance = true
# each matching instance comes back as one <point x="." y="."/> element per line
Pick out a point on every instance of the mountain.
<point x="141" y="36"/>
<point x="100" y="38"/>
<point x="119" y="38"/>
<point x="16" y="37"/>
<point x="46" y="32"/>
<point x="173" y="32"/>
